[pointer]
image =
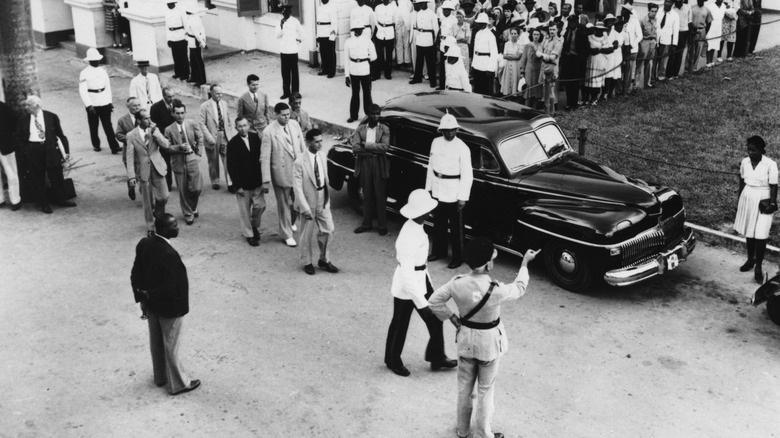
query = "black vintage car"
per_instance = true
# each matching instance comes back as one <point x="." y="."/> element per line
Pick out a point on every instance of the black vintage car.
<point x="531" y="190"/>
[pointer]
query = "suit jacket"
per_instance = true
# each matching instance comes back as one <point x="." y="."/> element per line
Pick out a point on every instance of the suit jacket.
<point x="124" y="125"/>
<point x="243" y="164"/>
<point x="138" y="89"/>
<point x="377" y="149"/>
<point x="142" y="155"/>
<point x="53" y="131"/>
<point x="209" y="121"/>
<point x="7" y="128"/>
<point x="158" y="269"/>
<point x="305" y="185"/>
<point x="278" y="154"/>
<point x="259" y="114"/>
<point x="179" y="158"/>
<point x="161" y="116"/>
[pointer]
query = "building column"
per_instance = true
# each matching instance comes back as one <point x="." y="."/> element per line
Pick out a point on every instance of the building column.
<point x="147" y="29"/>
<point x="52" y="21"/>
<point x="89" y="24"/>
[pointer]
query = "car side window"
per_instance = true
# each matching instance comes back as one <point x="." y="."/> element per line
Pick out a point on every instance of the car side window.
<point x="488" y="161"/>
<point x="411" y="139"/>
<point x="521" y="151"/>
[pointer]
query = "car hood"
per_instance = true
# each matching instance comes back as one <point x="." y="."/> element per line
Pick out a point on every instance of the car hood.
<point x="572" y="174"/>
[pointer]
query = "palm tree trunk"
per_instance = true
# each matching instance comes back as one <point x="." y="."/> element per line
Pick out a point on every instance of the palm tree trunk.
<point x="17" y="53"/>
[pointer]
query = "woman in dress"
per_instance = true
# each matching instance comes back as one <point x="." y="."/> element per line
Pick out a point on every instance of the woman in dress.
<point x="463" y="38"/>
<point x="729" y="30"/>
<point x="615" y="37"/>
<point x="600" y="47"/>
<point x="718" y="10"/>
<point x="513" y="55"/>
<point x="531" y="66"/>
<point x="757" y="183"/>
<point x="112" y="21"/>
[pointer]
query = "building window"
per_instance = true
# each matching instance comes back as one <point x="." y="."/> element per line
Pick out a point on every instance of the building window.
<point x="276" y="6"/>
<point x="248" y="8"/>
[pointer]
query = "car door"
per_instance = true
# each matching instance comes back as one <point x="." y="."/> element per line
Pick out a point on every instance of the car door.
<point x="411" y="147"/>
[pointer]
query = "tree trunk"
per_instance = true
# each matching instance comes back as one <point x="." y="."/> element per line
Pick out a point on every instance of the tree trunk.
<point x="17" y="53"/>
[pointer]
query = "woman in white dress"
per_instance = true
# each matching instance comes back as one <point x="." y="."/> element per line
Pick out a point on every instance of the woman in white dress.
<point x="718" y="10"/>
<point x="463" y="38"/>
<point x="757" y="201"/>
<point x="600" y="48"/>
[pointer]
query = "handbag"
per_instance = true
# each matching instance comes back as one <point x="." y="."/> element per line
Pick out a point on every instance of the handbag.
<point x="766" y="206"/>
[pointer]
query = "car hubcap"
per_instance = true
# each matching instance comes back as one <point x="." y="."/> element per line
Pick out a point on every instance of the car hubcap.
<point x="567" y="262"/>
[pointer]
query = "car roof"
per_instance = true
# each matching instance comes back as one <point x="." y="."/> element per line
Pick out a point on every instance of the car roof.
<point x="482" y="116"/>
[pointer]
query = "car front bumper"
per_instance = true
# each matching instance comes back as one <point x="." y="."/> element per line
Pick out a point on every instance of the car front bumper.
<point x="659" y="265"/>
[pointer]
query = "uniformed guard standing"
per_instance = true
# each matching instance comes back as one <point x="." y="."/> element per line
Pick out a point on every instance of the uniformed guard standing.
<point x="95" y="92"/>
<point x="449" y="181"/>
<point x="412" y="287"/>
<point x="327" y="29"/>
<point x="175" y="34"/>
<point x="384" y="40"/>
<point x="196" y="42"/>
<point x="424" y="31"/>
<point x="456" y="77"/>
<point x="485" y="60"/>
<point x="481" y="336"/>
<point x="360" y="52"/>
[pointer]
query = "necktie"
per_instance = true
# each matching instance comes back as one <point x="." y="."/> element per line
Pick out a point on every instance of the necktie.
<point x="317" y="172"/>
<point x="183" y="134"/>
<point x="148" y="97"/>
<point x="663" y="21"/>
<point x="221" y="120"/>
<point x="41" y="133"/>
<point x="254" y="97"/>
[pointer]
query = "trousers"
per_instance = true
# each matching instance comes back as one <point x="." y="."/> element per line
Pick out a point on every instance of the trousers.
<point x="427" y="55"/>
<point x="482" y="375"/>
<point x="327" y="55"/>
<point x="322" y="226"/>
<point x="403" y="50"/>
<point x="215" y="155"/>
<point x="197" y="66"/>
<point x="251" y="205"/>
<point x="374" y="193"/>
<point x="399" y="325"/>
<point x="154" y="195"/>
<point x="181" y="65"/>
<point x="483" y="81"/>
<point x="102" y="115"/>
<point x="164" y="336"/>
<point x="676" y="58"/>
<point x="384" y="57"/>
<point x="446" y="215"/>
<point x="9" y="169"/>
<point x="190" y="185"/>
<point x="285" y="211"/>
<point x="359" y="82"/>
<point x="289" y="73"/>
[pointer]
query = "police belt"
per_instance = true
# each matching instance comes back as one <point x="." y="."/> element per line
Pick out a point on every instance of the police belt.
<point x="456" y="89"/>
<point x="481" y="325"/>
<point x="386" y="25"/>
<point x="323" y="23"/>
<point x="359" y="59"/>
<point x="175" y="28"/>
<point x="482" y="53"/>
<point x="419" y="268"/>
<point x="442" y="176"/>
<point x="92" y="90"/>
<point x="424" y="30"/>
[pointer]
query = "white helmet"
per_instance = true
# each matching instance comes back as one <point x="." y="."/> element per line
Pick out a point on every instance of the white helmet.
<point x="453" y="52"/>
<point x="482" y="18"/>
<point x="93" y="55"/>
<point x="448" y="121"/>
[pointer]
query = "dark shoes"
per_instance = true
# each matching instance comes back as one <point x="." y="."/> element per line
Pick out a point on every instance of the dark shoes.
<point x="45" y="208"/>
<point x="284" y="96"/>
<point x="131" y="193"/>
<point x="189" y="221"/>
<point x="383" y="231"/>
<point x="196" y="214"/>
<point x="322" y="73"/>
<point x="454" y="264"/>
<point x="748" y="265"/>
<point x="160" y="385"/>
<point x="415" y="82"/>
<point x="758" y="275"/>
<point x="115" y="151"/>
<point x="446" y="363"/>
<point x="255" y="232"/>
<point x="16" y="206"/>
<point x="252" y="241"/>
<point x="498" y="435"/>
<point x="362" y="229"/>
<point x="351" y="119"/>
<point x="433" y="257"/>
<point x="309" y="269"/>
<point x="193" y="385"/>
<point x="400" y="370"/>
<point x="96" y="149"/>
<point x="328" y="266"/>
<point x="231" y="189"/>
<point x="215" y="186"/>
<point x="66" y="204"/>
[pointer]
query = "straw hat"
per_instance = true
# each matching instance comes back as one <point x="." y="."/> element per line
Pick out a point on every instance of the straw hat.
<point x="609" y="17"/>
<point x="93" y="55"/>
<point x="448" y="121"/>
<point x="600" y="26"/>
<point x="420" y="203"/>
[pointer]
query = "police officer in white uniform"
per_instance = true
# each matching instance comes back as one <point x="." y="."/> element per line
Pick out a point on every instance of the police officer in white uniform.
<point x="384" y="40"/>
<point x="95" y="92"/>
<point x="327" y="30"/>
<point x="145" y="86"/>
<point x="175" y="23"/>
<point x="456" y="77"/>
<point x="485" y="60"/>
<point x="359" y="53"/>
<point x="196" y="42"/>
<point x="424" y="32"/>
<point x="365" y="15"/>
<point x="449" y="180"/>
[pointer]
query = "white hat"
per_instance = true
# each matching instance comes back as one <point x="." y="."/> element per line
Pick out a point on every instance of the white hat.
<point x="93" y="55"/>
<point x="420" y="203"/>
<point x="454" y="52"/>
<point x="358" y="24"/>
<point x="448" y="121"/>
<point x="533" y="24"/>
<point x="448" y="4"/>
<point x="482" y="18"/>
<point x="629" y="8"/>
<point x="448" y="41"/>
<point x="609" y="17"/>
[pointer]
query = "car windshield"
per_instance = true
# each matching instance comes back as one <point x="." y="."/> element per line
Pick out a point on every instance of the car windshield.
<point x="532" y="147"/>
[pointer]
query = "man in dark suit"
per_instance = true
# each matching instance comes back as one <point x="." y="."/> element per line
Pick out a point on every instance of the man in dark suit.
<point x="162" y="116"/>
<point x="370" y="143"/>
<point x="159" y="281"/>
<point x="8" y="156"/>
<point x="37" y="133"/>
<point x="243" y="165"/>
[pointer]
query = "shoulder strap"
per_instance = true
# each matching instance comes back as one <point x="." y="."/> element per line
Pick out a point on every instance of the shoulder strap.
<point x="481" y="303"/>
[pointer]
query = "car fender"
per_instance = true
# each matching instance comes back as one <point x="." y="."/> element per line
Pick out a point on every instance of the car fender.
<point x="341" y="165"/>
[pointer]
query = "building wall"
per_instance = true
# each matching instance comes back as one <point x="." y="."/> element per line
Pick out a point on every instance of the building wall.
<point x="51" y="21"/>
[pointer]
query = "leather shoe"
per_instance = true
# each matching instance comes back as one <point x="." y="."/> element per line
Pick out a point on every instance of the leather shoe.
<point x="189" y="221"/>
<point x="215" y="186"/>
<point x="433" y="257"/>
<point x="383" y="231"/>
<point x="66" y="204"/>
<point x="328" y="266"/>
<point x="252" y="241"/>
<point x="351" y="119"/>
<point x="362" y="229"/>
<point x="115" y="151"/>
<point x="454" y="264"/>
<point x="309" y="269"/>
<point x="160" y="385"/>
<point x="331" y="76"/>
<point x="321" y="73"/>
<point x="415" y="82"/>
<point x="196" y="214"/>
<point x="446" y="363"/>
<point x="16" y="206"/>
<point x="45" y="208"/>
<point x="747" y="266"/>
<point x="284" y="96"/>
<point x="400" y="370"/>
<point x="498" y="435"/>
<point x="193" y="385"/>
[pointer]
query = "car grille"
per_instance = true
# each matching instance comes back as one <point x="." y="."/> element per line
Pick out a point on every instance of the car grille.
<point x="674" y="228"/>
<point x="642" y="246"/>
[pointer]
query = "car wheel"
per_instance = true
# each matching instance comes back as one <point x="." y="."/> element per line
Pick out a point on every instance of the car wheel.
<point x="568" y="266"/>
<point x="355" y="194"/>
<point x="773" y="309"/>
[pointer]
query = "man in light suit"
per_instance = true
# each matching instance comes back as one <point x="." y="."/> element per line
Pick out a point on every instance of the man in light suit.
<point x="247" y="174"/>
<point x="282" y="144"/>
<point x="215" y="124"/>
<point x="370" y="143"/>
<point x="146" y="86"/>
<point x="146" y="167"/>
<point x="162" y="116"/>
<point x="186" y="148"/>
<point x="310" y="183"/>
<point x="253" y="106"/>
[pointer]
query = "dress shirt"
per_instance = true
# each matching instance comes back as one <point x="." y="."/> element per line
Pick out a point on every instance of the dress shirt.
<point x="95" y="78"/>
<point x="448" y="25"/>
<point x="183" y="132"/>
<point x="669" y="34"/>
<point x="317" y="160"/>
<point x="370" y="134"/>
<point x="327" y="21"/>
<point x="289" y="35"/>
<point x="648" y="27"/>
<point x="467" y="291"/>
<point x="246" y="142"/>
<point x="455" y="76"/>
<point x="633" y="33"/>
<point x="146" y="88"/>
<point x="34" y="134"/>
<point x="411" y="250"/>
<point x="360" y="51"/>
<point x="175" y="19"/>
<point x="426" y="26"/>
<point x="763" y="175"/>
<point x="485" y="51"/>
<point x="385" y="21"/>
<point x="685" y="16"/>
<point x="449" y="158"/>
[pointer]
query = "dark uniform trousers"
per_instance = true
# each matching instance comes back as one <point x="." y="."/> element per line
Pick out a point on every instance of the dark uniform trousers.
<point x="396" y="335"/>
<point x="197" y="66"/>
<point x="483" y="81"/>
<point x="289" y="73"/>
<point x="359" y="82"/>
<point x="374" y="192"/>
<point x="181" y="65"/>
<point x="384" y="57"/>
<point x="446" y="214"/>
<point x="427" y="54"/>
<point x="328" y="55"/>
<point x="102" y="115"/>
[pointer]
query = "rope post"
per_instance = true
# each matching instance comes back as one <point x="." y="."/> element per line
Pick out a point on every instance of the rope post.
<point x="582" y="137"/>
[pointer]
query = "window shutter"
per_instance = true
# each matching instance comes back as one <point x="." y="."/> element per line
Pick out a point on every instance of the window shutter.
<point x="248" y="8"/>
